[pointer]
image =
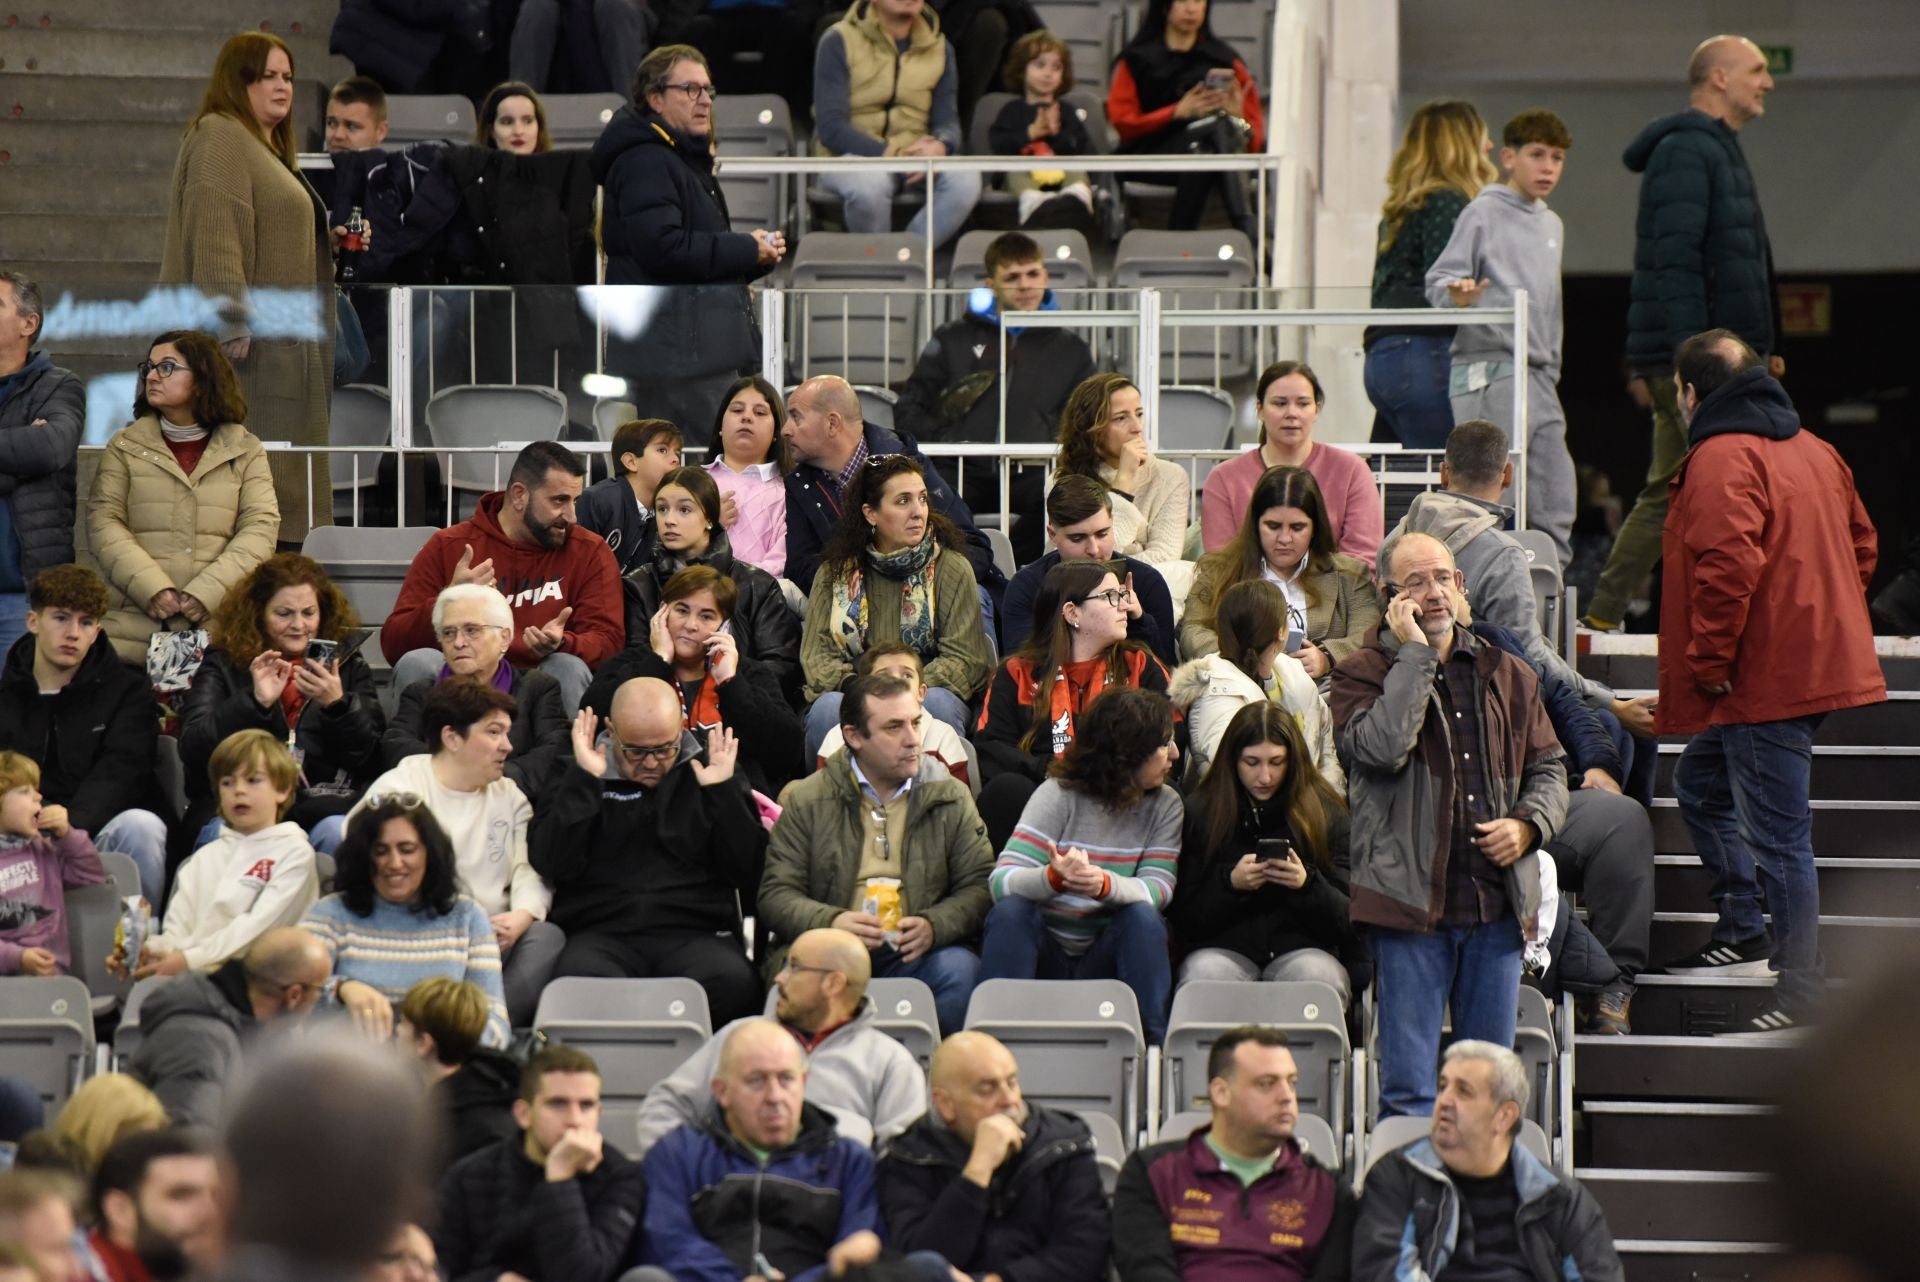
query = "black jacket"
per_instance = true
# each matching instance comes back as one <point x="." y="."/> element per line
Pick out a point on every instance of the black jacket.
<point x="542" y="736"/>
<point x="954" y="392"/>
<point x="608" y="508"/>
<point x="1588" y="742"/>
<point x="625" y="860"/>
<point x="1042" y="1218"/>
<point x="477" y="1101"/>
<point x="499" y="1213"/>
<point x="395" y="41"/>
<point x="1155" y="628"/>
<point x="1701" y="259"/>
<point x="813" y="506"/>
<point x="95" y="741"/>
<point x="340" y="746"/>
<point x="772" y="737"/>
<point x="1007" y="135"/>
<point x="40" y="460"/>
<point x="1268" y="923"/>
<point x="763" y="623"/>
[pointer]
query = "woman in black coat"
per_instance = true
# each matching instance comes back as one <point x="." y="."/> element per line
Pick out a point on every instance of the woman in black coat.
<point x="263" y="671"/>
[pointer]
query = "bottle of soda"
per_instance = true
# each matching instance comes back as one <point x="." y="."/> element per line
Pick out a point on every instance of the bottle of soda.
<point x="352" y="246"/>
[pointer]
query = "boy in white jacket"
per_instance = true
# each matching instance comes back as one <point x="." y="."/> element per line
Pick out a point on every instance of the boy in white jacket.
<point x="259" y="873"/>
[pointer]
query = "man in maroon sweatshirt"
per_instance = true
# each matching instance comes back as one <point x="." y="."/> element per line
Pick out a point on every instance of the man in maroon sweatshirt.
<point x="561" y="580"/>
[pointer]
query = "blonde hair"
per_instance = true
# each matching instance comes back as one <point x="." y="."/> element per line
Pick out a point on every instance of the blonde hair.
<point x="107" y="1108"/>
<point x="244" y="749"/>
<point x="1440" y="151"/>
<point x="18" y="770"/>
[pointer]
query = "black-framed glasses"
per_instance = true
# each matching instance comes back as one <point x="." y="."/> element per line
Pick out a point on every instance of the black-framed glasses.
<point x="795" y="968"/>
<point x="695" y="91"/>
<point x="641" y="754"/>
<point x="166" y="368"/>
<point x="1114" y="597"/>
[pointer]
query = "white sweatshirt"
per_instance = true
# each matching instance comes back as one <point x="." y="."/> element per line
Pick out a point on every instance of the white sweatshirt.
<point x="489" y="832"/>
<point x="236" y="888"/>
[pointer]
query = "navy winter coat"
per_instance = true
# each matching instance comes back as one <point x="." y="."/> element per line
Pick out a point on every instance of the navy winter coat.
<point x="43" y="410"/>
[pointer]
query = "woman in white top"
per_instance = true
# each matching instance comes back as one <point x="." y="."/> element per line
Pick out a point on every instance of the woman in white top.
<point x="1103" y="434"/>
<point x="750" y="472"/>
<point x="467" y="725"/>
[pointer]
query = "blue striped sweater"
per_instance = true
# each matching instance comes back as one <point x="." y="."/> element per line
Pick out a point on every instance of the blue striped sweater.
<point x="392" y="949"/>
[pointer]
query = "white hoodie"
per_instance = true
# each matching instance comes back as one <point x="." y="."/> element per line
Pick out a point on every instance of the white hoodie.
<point x="489" y="832"/>
<point x="1211" y="689"/>
<point x="236" y="888"/>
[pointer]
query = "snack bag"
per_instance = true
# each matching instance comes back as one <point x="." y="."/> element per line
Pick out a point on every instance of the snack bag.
<point x="131" y="931"/>
<point x="884" y="901"/>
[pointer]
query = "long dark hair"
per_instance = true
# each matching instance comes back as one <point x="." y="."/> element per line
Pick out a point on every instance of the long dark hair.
<point x="779" y="453"/>
<point x="1310" y="802"/>
<point x="1248" y="617"/>
<point x="1052" y="641"/>
<point x="1117" y="733"/>
<point x="1153" y="27"/>
<point x="700" y="487"/>
<point x="490" y="108"/>
<point x="217" y="397"/>
<point x="1240" y="559"/>
<point x="353" y="860"/>
<point x="852" y="537"/>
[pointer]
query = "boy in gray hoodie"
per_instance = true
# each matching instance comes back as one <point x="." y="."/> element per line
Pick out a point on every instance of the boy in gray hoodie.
<point x="1506" y="240"/>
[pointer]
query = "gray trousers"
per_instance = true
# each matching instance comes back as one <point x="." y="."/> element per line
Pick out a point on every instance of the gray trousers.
<point x="1551" y="492"/>
<point x="621" y="28"/>
<point x="1605" y="851"/>
<point x="1300" y="964"/>
<point x="526" y="970"/>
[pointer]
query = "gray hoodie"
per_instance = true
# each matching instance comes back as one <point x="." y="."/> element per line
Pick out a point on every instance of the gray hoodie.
<point x="191" y="1030"/>
<point x="1499" y="585"/>
<point x="1512" y="242"/>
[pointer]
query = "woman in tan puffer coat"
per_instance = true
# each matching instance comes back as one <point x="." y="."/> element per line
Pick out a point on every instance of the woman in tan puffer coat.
<point x="180" y="511"/>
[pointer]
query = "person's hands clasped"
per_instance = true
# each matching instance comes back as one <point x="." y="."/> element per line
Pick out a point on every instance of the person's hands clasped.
<point x="1046" y="123"/>
<point x="716" y="766"/>
<point x="270" y="672"/>
<point x="916" y="939"/>
<point x="1076" y="872"/>
<point x="318" y="682"/>
<point x="587" y="752"/>
<point x="926" y="145"/>
<point x="508" y="927"/>
<point x="163" y="605"/>
<point x="1504" y="840"/>
<point x="1403" y="619"/>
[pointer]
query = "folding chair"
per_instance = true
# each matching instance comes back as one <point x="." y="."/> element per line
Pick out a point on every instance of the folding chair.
<point x="1195" y="271"/>
<point x="92" y="914"/>
<point x="1078" y="1042"/>
<point x="46" y="1034"/>
<point x="637" y="1030"/>
<point x="755" y="124"/>
<point x="1543" y="568"/>
<point x="429" y="118"/>
<point x="904" y="1010"/>
<point x="1308" y="1012"/>
<point x="499" y="415"/>
<point x="858" y="301"/>
<point x="362" y="415"/>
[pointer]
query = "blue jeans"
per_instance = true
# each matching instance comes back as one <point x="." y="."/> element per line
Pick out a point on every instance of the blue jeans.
<point x="868" y="201"/>
<point x="1131" y="948"/>
<point x="940" y="702"/>
<point x="1743" y="791"/>
<point x="1476" y="968"/>
<point x="951" y="972"/>
<point x="141" y="836"/>
<point x="1406" y="379"/>
<point x="13" y="620"/>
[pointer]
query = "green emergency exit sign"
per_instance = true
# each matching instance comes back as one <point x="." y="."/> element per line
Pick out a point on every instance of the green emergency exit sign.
<point x="1779" y="59"/>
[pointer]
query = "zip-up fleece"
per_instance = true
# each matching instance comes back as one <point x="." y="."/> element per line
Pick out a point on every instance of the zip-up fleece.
<point x="1409" y="1223"/>
<point x="1513" y="242"/>
<point x="713" y="1206"/>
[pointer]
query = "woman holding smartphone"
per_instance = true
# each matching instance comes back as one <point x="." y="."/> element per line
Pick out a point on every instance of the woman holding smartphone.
<point x="1263" y="865"/>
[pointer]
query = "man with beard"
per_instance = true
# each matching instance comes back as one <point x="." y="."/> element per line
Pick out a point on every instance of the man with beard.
<point x="560" y="578"/>
<point x="156" y="1207"/>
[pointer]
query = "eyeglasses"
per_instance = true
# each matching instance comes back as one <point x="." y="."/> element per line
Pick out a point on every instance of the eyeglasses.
<point x="1114" y="597"/>
<point x="469" y="632"/>
<point x="1420" y="583"/>
<point x="696" y="92"/>
<point x="795" y="968"/>
<point x="166" y="369"/>
<point x="641" y="755"/>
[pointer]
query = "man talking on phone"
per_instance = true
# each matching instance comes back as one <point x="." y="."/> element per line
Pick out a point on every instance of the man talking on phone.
<point x="1445" y="734"/>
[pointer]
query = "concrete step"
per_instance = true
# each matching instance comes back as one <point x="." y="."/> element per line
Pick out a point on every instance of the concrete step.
<point x="163" y="52"/>
<point x="1852" y="946"/>
<point x="1684" y="1006"/>
<point x="54" y="274"/>
<point x="1694" y="1261"/>
<point x="1650" y="1204"/>
<point x="1848" y="887"/>
<point x="1636" y="671"/>
<point x="27" y="98"/>
<point x="1895" y="723"/>
<point x="1636" y="1134"/>
<point x="83" y="189"/>
<point x="112" y="238"/>
<point x="1843" y="773"/>
<point x="1691" y="1069"/>
<point x="1853" y="829"/>
<point x="95" y="143"/>
<point x="283" y="17"/>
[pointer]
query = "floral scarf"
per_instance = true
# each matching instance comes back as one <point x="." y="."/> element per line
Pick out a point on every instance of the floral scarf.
<point x="914" y="569"/>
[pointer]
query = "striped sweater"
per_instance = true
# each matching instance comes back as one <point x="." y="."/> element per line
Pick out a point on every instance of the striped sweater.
<point x="392" y="949"/>
<point x="1139" y="849"/>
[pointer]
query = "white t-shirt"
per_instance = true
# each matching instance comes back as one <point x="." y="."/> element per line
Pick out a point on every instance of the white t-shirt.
<point x="489" y="832"/>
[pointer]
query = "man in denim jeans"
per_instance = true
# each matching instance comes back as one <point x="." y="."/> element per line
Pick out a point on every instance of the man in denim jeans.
<point x="1454" y="779"/>
<point x="1763" y="631"/>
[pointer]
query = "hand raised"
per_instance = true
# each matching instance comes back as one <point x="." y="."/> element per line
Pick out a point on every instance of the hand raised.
<point x="587" y="752"/>
<point x="465" y="571"/>
<point x="723" y="751"/>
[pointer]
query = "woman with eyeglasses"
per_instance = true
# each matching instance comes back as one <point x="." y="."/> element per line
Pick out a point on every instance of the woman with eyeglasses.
<point x="691" y="645"/>
<point x="273" y="663"/>
<point x="751" y="468"/>
<point x="894" y="569"/>
<point x="687" y="533"/>
<point x="397" y="916"/>
<point x="1286" y="539"/>
<point x="1263" y="867"/>
<point x="182" y="506"/>
<point x="1081" y="885"/>
<point x="474" y="625"/>
<point x="1078" y="653"/>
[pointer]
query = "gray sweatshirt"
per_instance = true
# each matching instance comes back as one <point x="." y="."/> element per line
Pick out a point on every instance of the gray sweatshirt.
<point x="1511" y="242"/>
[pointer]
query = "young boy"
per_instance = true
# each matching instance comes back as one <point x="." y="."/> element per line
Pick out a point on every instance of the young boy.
<point x="259" y="873"/>
<point x="620" y="508"/>
<point x="1506" y="240"/>
<point x="937" y="739"/>
<point x="41" y="854"/>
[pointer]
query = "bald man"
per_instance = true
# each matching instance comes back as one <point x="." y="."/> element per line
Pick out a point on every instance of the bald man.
<point x="1445" y="733"/>
<point x="1701" y="261"/>
<point x="865" y="1080"/>
<point x="652" y="844"/>
<point x="1004" y="1190"/>
<point x="830" y="441"/>
<point x="195" y="1028"/>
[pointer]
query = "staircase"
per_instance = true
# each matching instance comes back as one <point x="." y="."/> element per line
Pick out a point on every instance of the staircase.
<point x="1672" y="1124"/>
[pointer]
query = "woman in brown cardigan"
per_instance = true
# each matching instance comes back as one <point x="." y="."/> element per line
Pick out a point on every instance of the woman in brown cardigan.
<point x="240" y="219"/>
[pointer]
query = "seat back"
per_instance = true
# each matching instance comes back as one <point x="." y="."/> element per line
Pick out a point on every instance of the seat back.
<point x="578" y="119"/>
<point x="1308" y="1012"/>
<point x="754" y="124"/>
<point x="1543" y="569"/>
<point x="1390" y="1133"/>
<point x="1247" y="28"/>
<point x="609" y="415"/>
<point x="1110" y="1148"/>
<point x="367" y="563"/>
<point x="1316" y="1139"/>
<point x="1091" y="32"/>
<point x="46" y="1034"/>
<point x="1535" y="1044"/>
<point x="1078" y="1042"/>
<point x="415" y="117"/>
<point x="1002" y="550"/>
<point x="492" y="414"/>
<point x="857" y="305"/>
<point x="876" y="404"/>
<point x="903" y="1009"/>
<point x="361" y="415"/>
<point x="1195" y="271"/>
<point x="92" y="914"/>
<point x="1068" y="256"/>
<point x="637" y="1030"/>
<point x="1195" y="417"/>
<point x="126" y="1036"/>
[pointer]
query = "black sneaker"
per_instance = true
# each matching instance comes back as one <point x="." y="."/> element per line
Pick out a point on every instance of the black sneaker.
<point x="1770" y="1022"/>
<point x="1744" y="960"/>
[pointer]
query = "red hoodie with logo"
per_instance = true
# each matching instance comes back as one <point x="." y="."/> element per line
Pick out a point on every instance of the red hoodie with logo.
<point x="538" y="583"/>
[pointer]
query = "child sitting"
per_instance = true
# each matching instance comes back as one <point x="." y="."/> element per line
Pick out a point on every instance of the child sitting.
<point x="41" y="854"/>
<point x="1037" y="124"/>
<point x="257" y="874"/>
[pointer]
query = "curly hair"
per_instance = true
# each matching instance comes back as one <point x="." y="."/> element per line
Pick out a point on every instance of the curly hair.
<point x="238" y="629"/>
<point x="1051" y="644"/>
<point x="217" y="397"/>
<point x="1082" y="421"/>
<point x="1241" y="558"/>
<point x="1025" y="50"/>
<point x="1116" y="735"/>
<point x="780" y="453"/>
<point x="852" y="536"/>
<point x="1310" y="802"/>
<point x="353" y="860"/>
<point x="68" y="587"/>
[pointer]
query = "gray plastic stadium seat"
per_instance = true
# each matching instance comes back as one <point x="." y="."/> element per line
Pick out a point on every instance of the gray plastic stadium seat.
<point x="754" y="124"/>
<point x="1309" y="1013"/>
<point x="1535" y="1044"/>
<point x="1195" y="271"/>
<point x="1078" y="1042"/>
<point x="1312" y="1132"/>
<point x="637" y="1030"/>
<point x="1195" y="417"/>
<point x="1543" y="568"/>
<point x="483" y="414"/>
<point x="1248" y="29"/>
<point x="1390" y="1133"/>
<point x="92" y="913"/>
<point x="876" y="404"/>
<point x="1091" y="32"/>
<point x="1110" y="1147"/>
<point x="578" y="119"/>
<point x="429" y="118"/>
<point x="46" y="1034"/>
<point x="1002" y="550"/>
<point x="362" y="415"/>
<point x="1179" y="1125"/>
<point x="860" y="318"/>
<point x="1068" y="256"/>
<point x="609" y="415"/>
<point x="368" y="564"/>
<point x="903" y="1009"/>
<point x="126" y="1037"/>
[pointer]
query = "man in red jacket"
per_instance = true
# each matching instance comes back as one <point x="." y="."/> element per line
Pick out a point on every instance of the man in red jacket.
<point x="1763" y="631"/>
<point x="560" y="579"/>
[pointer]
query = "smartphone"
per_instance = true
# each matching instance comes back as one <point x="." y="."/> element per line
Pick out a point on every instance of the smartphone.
<point x="1296" y="640"/>
<point x="1272" y="850"/>
<point x="1220" y="78"/>
<point x="323" y="652"/>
